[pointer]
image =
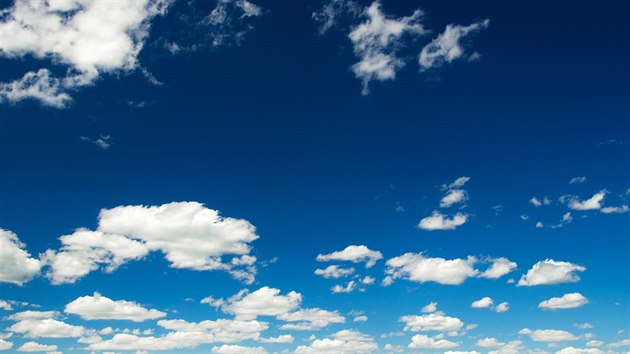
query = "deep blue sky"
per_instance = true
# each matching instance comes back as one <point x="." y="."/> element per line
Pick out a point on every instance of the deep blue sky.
<point x="275" y="130"/>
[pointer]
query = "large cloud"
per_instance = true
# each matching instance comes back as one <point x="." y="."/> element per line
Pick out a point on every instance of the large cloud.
<point x="36" y="324"/>
<point x="88" y="38"/>
<point x="431" y="322"/>
<point x="551" y="272"/>
<point x="190" y="236"/>
<point x="420" y="341"/>
<point x="549" y="335"/>
<point x="353" y="253"/>
<point x="98" y="307"/>
<point x="265" y="301"/>
<point x="417" y="267"/>
<point x="567" y="301"/>
<point x="16" y="265"/>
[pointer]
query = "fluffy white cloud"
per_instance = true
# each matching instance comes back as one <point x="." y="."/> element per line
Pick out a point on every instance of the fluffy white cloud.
<point x="375" y="42"/>
<point x="489" y="343"/>
<point x="567" y="301"/>
<point x="334" y="272"/>
<point x="593" y="203"/>
<point x="36" y="324"/>
<point x="549" y="335"/>
<point x="420" y="341"/>
<point x="447" y="46"/>
<point x="454" y="196"/>
<point x="84" y="251"/>
<point x="36" y="347"/>
<point x="237" y="349"/>
<point x="502" y="307"/>
<point x="551" y="272"/>
<point x="16" y="265"/>
<point x="265" y="301"/>
<point x="431" y="322"/>
<point x="485" y="302"/>
<point x="190" y="236"/>
<point x="512" y="347"/>
<point x="87" y="37"/>
<point x="458" y="183"/>
<point x="573" y="350"/>
<point x="353" y="253"/>
<point x="500" y="267"/>
<point x="430" y="307"/>
<point x="5" y="305"/>
<point x="616" y="210"/>
<point x="350" y="287"/>
<point x="361" y="318"/>
<point x="439" y="221"/>
<point x="310" y="319"/>
<point x="345" y="341"/>
<point x="417" y="267"/>
<point x="284" y="338"/>
<point x="621" y="343"/>
<point x="99" y="307"/>
<point x="4" y="345"/>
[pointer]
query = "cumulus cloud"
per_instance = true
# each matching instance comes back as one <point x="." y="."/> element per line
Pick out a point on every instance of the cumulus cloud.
<point x="99" y="307"/>
<point x="448" y="46"/>
<point x="420" y="341"/>
<point x="454" y="196"/>
<point x="36" y="347"/>
<point x="4" y="345"/>
<point x="616" y="210"/>
<point x="431" y="322"/>
<point x="499" y="267"/>
<point x="265" y="301"/>
<point x="38" y="324"/>
<point x="430" y="307"/>
<point x="238" y="349"/>
<point x="489" y="343"/>
<point x="438" y="221"/>
<point x="189" y="235"/>
<point x="567" y="301"/>
<point x="593" y="203"/>
<point x="485" y="302"/>
<point x="16" y="265"/>
<point x="86" y="38"/>
<point x="551" y="272"/>
<point x="548" y="335"/>
<point x="348" y="288"/>
<point x="353" y="253"/>
<point x="419" y="268"/>
<point x="345" y="341"/>
<point x="573" y="350"/>
<point x="310" y="319"/>
<point x="502" y="307"/>
<point x="376" y="41"/>
<point x="334" y="272"/>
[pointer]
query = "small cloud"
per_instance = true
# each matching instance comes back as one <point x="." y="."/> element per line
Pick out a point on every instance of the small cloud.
<point x="103" y="141"/>
<point x="576" y="180"/>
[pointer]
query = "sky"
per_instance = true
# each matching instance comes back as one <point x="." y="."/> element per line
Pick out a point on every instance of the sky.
<point x="330" y="176"/>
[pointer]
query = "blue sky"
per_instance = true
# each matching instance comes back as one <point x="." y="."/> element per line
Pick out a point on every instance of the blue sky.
<point x="314" y="177"/>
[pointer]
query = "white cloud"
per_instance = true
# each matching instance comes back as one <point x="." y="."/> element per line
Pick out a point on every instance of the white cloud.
<point x="576" y="180"/>
<point x="348" y="288"/>
<point x="430" y="307"/>
<point x="353" y="253"/>
<point x="500" y="267"/>
<point x="36" y="347"/>
<point x="361" y="318"/>
<point x="284" y="338"/>
<point x="88" y="38"/>
<point x="99" y="307"/>
<point x="573" y="350"/>
<point x="368" y="280"/>
<point x="310" y="319"/>
<point x="375" y="42"/>
<point x="190" y="235"/>
<point x="593" y="203"/>
<point x="438" y="221"/>
<point x="237" y="349"/>
<point x="345" y="341"/>
<point x="5" y="305"/>
<point x="584" y="325"/>
<point x="458" y="183"/>
<point x="328" y="16"/>
<point x="567" y="301"/>
<point x="502" y="307"/>
<point x="551" y="272"/>
<point x="616" y="210"/>
<point x="226" y="22"/>
<point x="334" y="271"/>
<point x="4" y="345"/>
<point x="594" y="343"/>
<point x="16" y="265"/>
<point x="103" y="141"/>
<point x="621" y="343"/>
<point x="489" y="343"/>
<point x="36" y="324"/>
<point x="265" y="301"/>
<point x="447" y="46"/>
<point x="420" y="341"/>
<point x="485" y="302"/>
<point x="416" y="267"/>
<point x="454" y="196"/>
<point x="549" y="335"/>
<point x="84" y="251"/>
<point x="431" y="322"/>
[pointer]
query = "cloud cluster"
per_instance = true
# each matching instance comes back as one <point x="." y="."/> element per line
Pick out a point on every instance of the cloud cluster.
<point x="455" y="194"/>
<point x="87" y="38"/>
<point x="99" y="307"/>
<point x="345" y="341"/>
